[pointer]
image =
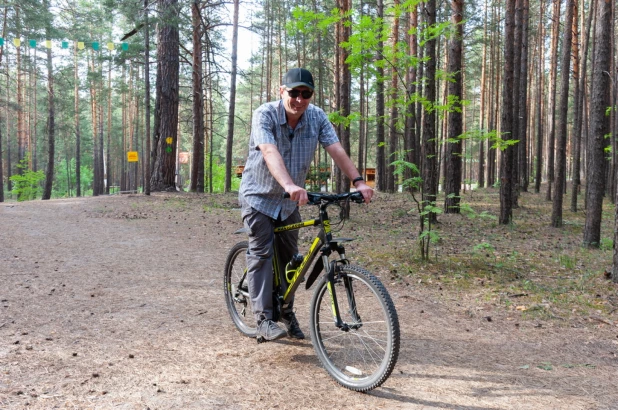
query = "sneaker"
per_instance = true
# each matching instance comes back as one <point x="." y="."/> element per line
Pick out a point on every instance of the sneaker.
<point x="269" y="330"/>
<point x="291" y="324"/>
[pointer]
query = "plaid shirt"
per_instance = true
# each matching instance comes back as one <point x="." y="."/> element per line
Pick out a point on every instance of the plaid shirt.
<point x="258" y="188"/>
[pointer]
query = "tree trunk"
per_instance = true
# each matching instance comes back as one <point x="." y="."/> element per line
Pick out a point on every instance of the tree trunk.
<point x="229" y="154"/>
<point x="455" y="120"/>
<point x="430" y="164"/>
<point x="393" y="138"/>
<point x="380" y="151"/>
<point x="578" y="109"/>
<point x="411" y="132"/>
<point x="7" y="86"/>
<point x="108" y="160"/>
<point x="523" y="101"/>
<point x="146" y="158"/>
<point x="563" y="109"/>
<point x="599" y="126"/>
<point x="51" y="119"/>
<point x="539" y="104"/>
<point x="164" y="167"/>
<point x="345" y="93"/>
<point x="197" y="163"/>
<point x="551" y="105"/>
<point x="483" y="102"/>
<point x="22" y="145"/>
<point x="78" y="137"/>
<point x="506" y="128"/>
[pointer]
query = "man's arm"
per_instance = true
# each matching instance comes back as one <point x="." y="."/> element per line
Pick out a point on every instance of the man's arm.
<point x="346" y="165"/>
<point x="277" y="168"/>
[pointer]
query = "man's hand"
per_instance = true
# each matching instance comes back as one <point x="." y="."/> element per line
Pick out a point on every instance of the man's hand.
<point x="297" y="194"/>
<point x="364" y="189"/>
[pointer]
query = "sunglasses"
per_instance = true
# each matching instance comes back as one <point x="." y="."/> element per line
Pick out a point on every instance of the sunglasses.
<point x="306" y="94"/>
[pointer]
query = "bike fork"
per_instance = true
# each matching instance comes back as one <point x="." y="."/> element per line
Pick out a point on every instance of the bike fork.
<point x="333" y="297"/>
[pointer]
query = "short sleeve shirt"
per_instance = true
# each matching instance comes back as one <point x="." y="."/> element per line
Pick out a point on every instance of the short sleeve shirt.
<point x="258" y="188"/>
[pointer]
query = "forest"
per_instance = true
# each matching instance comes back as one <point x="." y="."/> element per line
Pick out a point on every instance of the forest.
<point x="427" y="96"/>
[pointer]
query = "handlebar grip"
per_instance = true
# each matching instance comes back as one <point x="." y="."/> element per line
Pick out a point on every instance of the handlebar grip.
<point x="286" y="195"/>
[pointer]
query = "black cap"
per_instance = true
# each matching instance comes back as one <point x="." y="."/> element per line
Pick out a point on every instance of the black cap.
<point x="297" y="77"/>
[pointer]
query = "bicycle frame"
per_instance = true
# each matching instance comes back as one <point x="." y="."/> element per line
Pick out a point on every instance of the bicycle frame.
<point x="323" y="243"/>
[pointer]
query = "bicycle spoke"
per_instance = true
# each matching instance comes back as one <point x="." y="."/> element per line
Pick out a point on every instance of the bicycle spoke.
<point x="361" y="354"/>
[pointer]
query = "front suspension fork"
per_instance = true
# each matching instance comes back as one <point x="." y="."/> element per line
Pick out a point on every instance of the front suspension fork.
<point x="347" y="283"/>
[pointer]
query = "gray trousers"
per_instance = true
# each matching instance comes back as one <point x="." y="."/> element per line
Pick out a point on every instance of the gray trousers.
<point x="260" y="258"/>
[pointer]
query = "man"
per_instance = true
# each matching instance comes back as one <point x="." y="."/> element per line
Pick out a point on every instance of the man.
<point x="284" y="137"/>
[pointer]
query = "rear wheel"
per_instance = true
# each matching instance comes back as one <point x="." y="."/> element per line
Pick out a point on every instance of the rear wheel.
<point x="236" y="290"/>
<point x="362" y="353"/>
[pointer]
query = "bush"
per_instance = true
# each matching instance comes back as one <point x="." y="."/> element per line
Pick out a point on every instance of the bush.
<point x="27" y="185"/>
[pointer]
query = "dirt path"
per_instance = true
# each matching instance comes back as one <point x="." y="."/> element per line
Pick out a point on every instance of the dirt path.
<point x="116" y="302"/>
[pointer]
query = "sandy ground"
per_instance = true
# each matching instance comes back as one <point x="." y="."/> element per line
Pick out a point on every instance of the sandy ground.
<point x="117" y="303"/>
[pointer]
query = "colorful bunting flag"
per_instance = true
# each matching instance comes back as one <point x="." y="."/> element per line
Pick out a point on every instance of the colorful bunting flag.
<point x="65" y="44"/>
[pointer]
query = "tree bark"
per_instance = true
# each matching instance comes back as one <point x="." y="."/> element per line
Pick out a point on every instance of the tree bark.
<point x="7" y="86"/>
<point x="410" y="138"/>
<point x="551" y="105"/>
<point x="229" y="154"/>
<point x="51" y="118"/>
<point x="599" y="126"/>
<point x="540" y="99"/>
<point x="430" y="163"/>
<point x="523" y="101"/>
<point x="146" y="158"/>
<point x="483" y="102"/>
<point x="563" y="109"/>
<point x="393" y="138"/>
<point x="455" y="119"/>
<point x="578" y="109"/>
<point x="164" y="168"/>
<point x="380" y="151"/>
<point x="506" y="128"/>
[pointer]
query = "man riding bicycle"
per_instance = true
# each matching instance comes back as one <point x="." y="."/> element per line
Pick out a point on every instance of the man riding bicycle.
<point x="284" y="137"/>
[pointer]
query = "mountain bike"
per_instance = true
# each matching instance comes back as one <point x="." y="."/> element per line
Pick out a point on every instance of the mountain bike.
<point x="353" y="322"/>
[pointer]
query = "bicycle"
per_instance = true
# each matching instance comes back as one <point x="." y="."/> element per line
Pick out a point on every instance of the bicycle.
<point x="353" y="322"/>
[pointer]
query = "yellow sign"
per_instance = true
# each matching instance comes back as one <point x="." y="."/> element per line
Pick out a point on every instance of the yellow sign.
<point x="169" y="140"/>
<point x="132" y="156"/>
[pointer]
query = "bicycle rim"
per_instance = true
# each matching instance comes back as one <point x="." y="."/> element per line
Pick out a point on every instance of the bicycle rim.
<point x="362" y="357"/>
<point x="236" y="292"/>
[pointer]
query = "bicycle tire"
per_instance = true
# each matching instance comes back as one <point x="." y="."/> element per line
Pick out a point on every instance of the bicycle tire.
<point x="363" y="357"/>
<point x="237" y="300"/>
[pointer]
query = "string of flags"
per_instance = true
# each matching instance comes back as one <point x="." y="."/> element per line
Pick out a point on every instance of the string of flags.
<point x="96" y="46"/>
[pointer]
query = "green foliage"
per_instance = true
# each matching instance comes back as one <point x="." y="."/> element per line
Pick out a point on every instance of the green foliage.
<point x="64" y="179"/>
<point x="27" y="185"/>
<point x="218" y="176"/>
<point x="606" y="244"/>
<point x="469" y="212"/>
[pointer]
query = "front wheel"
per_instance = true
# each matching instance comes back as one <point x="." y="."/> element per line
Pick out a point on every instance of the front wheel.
<point x="236" y="290"/>
<point x="362" y="353"/>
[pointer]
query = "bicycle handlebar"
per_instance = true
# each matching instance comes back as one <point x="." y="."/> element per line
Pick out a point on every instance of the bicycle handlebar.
<point x="317" y="198"/>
